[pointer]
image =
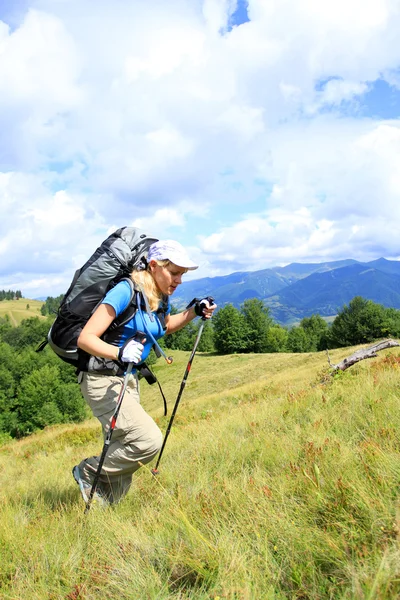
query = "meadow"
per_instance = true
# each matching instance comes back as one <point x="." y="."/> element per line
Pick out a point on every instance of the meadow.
<point x="18" y="310"/>
<point x="278" y="481"/>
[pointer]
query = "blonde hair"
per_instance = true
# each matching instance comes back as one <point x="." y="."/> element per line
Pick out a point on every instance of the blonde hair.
<point x="145" y="281"/>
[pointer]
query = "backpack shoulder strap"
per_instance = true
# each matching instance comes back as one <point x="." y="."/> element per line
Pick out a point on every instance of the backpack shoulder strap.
<point x="130" y="310"/>
<point x="162" y="311"/>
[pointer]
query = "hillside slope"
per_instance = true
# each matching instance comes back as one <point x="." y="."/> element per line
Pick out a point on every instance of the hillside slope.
<point x="17" y="310"/>
<point x="272" y="485"/>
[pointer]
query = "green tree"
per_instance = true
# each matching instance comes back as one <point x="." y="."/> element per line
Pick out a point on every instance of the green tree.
<point x="277" y="338"/>
<point x="8" y="358"/>
<point x="182" y="339"/>
<point x="230" y="330"/>
<point x="362" y="321"/>
<point x="7" y="389"/>
<point x="5" y="326"/>
<point x="43" y="400"/>
<point x="51" y="305"/>
<point x="258" y="322"/>
<point x="393" y="320"/>
<point x="30" y="332"/>
<point x="206" y="343"/>
<point x="316" y="330"/>
<point x="297" y="340"/>
<point x="10" y="295"/>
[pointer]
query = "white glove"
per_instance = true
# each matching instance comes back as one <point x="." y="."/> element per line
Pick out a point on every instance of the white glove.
<point x="131" y="351"/>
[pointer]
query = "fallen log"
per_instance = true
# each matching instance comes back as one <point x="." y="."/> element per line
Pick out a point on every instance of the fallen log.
<point x="370" y="352"/>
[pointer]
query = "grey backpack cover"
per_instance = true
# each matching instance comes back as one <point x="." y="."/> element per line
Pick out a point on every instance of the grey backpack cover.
<point x="124" y="250"/>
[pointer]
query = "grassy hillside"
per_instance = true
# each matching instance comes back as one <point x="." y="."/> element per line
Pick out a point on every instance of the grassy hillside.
<point x="273" y="485"/>
<point x="21" y="309"/>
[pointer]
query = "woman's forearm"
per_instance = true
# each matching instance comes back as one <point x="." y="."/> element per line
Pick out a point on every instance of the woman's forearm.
<point x="89" y="342"/>
<point x="90" y="338"/>
<point x="176" y="322"/>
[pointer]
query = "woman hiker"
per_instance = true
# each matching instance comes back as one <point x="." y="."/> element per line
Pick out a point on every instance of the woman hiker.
<point x="136" y="438"/>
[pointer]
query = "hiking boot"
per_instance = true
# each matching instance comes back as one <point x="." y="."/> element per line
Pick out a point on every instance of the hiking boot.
<point x="85" y="486"/>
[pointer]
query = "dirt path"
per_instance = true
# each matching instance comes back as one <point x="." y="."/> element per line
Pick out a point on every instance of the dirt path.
<point x="14" y="322"/>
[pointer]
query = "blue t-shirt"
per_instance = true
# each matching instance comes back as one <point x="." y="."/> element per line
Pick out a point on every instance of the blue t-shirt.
<point x="119" y="297"/>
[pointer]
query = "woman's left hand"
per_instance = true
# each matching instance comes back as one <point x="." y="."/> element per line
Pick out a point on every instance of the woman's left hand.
<point x="206" y="308"/>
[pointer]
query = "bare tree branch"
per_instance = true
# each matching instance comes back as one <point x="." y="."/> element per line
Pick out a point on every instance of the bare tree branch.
<point x="370" y="352"/>
<point x="329" y="358"/>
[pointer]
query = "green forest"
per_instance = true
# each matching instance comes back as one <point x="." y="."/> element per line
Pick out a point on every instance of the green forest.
<point x="37" y="389"/>
<point x="10" y="295"/>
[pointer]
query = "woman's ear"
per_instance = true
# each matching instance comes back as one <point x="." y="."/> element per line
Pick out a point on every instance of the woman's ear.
<point x="152" y="265"/>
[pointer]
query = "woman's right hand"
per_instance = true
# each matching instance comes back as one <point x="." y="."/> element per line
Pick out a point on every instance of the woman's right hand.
<point x="131" y="351"/>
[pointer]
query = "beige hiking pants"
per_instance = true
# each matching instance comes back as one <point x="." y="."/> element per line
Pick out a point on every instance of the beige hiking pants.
<point x="136" y="437"/>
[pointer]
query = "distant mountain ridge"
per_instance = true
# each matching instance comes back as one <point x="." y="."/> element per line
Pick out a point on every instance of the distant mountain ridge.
<point x="301" y="289"/>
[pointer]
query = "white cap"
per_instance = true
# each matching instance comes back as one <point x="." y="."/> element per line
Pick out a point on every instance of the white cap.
<point x="173" y="251"/>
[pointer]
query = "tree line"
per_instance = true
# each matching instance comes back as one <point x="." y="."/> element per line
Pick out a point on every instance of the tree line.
<point x="39" y="389"/>
<point x="51" y="305"/>
<point x="10" y="294"/>
<point x="252" y="329"/>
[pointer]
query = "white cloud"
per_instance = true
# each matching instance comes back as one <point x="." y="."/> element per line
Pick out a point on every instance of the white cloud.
<point x="42" y="231"/>
<point x="129" y="115"/>
<point x="336" y="194"/>
<point x="217" y="12"/>
<point x="38" y="62"/>
<point x="337" y="91"/>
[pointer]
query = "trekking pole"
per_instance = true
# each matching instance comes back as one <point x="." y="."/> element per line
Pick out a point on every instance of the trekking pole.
<point x="107" y="440"/>
<point x="196" y="343"/>
<point x="140" y="337"/>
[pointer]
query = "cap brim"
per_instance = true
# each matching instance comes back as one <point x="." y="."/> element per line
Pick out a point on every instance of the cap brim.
<point x="183" y="263"/>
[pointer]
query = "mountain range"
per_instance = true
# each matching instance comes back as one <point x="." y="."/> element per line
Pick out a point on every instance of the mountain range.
<point x="301" y="289"/>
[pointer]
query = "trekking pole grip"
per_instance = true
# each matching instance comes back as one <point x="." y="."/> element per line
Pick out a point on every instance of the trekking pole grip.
<point x="210" y="300"/>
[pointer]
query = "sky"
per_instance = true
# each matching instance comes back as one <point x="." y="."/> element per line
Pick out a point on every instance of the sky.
<point x="255" y="133"/>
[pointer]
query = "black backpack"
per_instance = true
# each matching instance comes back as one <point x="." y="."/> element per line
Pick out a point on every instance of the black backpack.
<point x="124" y="250"/>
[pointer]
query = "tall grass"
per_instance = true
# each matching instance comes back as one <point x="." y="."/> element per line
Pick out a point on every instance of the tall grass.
<point x="273" y="485"/>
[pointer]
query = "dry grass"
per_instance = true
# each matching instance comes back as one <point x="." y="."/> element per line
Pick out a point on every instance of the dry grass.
<point x="18" y="310"/>
<point x="272" y="486"/>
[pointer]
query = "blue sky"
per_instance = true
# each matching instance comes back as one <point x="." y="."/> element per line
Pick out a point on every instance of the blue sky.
<point x="239" y="15"/>
<point x="256" y="133"/>
<point x="382" y="101"/>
